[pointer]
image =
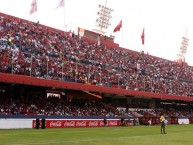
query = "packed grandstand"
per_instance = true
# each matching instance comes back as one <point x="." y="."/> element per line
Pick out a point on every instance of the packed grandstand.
<point x="31" y="50"/>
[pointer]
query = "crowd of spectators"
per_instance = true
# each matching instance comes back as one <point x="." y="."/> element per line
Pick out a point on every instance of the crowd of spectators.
<point x="169" y="112"/>
<point x="26" y="105"/>
<point x="28" y="48"/>
<point x="58" y="107"/>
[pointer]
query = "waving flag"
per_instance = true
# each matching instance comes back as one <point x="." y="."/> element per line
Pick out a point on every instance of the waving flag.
<point x="61" y="4"/>
<point x="33" y="7"/>
<point x="143" y="37"/>
<point x="118" y="27"/>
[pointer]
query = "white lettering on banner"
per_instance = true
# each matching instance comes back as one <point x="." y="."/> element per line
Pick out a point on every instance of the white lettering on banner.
<point x="93" y="123"/>
<point x="76" y="123"/>
<point x="56" y="124"/>
<point x="71" y="123"/>
<point x="81" y="123"/>
<point x="112" y="123"/>
<point x="101" y="123"/>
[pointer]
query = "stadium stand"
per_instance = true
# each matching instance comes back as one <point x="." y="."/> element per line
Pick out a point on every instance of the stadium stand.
<point x="31" y="49"/>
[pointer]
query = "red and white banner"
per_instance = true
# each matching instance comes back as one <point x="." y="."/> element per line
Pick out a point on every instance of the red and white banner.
<point x="77" y="123"/>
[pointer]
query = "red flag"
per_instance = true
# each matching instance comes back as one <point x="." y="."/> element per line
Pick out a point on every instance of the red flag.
<point x="143" y="37"/>
<point x="118" y="27"/>
<point x="61" y="4"/>
<point x="33" y="7"/>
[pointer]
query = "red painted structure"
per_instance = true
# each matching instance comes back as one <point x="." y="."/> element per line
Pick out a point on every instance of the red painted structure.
<point x="18" y="79"/>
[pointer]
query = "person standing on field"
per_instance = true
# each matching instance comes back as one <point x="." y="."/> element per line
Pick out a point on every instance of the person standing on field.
<point x="162" y="121"/>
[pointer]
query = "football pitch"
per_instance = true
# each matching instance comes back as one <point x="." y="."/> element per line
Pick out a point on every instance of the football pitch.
<point x="127" y="135"/>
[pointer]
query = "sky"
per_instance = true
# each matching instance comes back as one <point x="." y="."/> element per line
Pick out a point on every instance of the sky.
<point x="165" y="21"/>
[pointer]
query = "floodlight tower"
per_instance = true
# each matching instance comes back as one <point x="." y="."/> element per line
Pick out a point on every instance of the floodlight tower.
<point x="183" y="48"/>
<point x="104" y="16"/>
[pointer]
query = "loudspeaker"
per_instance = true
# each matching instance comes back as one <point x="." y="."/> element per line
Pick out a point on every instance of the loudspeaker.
<point x="43" y="123"/>
<point x="37" y="123"/>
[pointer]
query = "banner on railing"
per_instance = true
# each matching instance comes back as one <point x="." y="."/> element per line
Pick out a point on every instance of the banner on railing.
<point x="79" y="123"/>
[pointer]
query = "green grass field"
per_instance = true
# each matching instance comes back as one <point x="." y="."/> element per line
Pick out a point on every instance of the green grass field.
<point x="136" y="135"/>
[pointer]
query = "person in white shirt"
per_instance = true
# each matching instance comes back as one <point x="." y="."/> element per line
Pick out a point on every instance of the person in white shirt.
<point x="149" y="122"/>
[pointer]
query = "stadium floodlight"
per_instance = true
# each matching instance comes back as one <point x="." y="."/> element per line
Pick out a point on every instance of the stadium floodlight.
<point x="183" y="48"/>
<point x="104" y="16"/>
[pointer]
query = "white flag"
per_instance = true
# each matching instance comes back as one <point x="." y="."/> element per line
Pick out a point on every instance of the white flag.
<point x="33" y="7"/>
<point x="61" y="3"/>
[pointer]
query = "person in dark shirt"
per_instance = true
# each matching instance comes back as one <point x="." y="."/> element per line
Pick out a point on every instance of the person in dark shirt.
<point x="105" y="121"/>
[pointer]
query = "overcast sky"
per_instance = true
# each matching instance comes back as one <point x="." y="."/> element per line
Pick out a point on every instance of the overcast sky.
<point x="165" y="21"/>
